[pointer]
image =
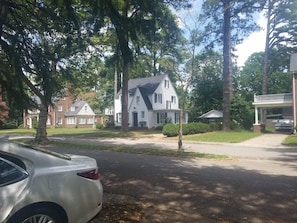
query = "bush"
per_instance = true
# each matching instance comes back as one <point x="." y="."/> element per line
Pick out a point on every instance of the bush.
<point x="110" y="125"/>
<point x="99" y="126"/>
<point x="170" y="130"/>
<point x="216" y="126"/>
<point x="202" y="127"/>
<point x="192" y="128"/>
<point x="186" y="129"/>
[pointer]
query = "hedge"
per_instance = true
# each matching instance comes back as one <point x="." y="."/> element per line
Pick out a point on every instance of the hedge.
<point x="171" y="130"/>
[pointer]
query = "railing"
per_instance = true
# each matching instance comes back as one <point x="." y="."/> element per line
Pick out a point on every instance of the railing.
<point x="270" y="98"/>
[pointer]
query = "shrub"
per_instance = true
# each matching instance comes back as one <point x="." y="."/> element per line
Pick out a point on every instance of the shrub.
<point x="186" y="129"/>
<point x="216" y="126"/>
<point x="202" y="127"/>
<point x="110" y="124"/>
<point x="99" y="126"/>
<point x="192" y="128"/>
<point x="170" y="130"/>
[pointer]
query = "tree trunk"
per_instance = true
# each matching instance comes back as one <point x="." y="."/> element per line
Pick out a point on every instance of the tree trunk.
<point x="125" y="114"/>
<point x="227" y="67"/>
<point x="266" y="59"/>
<point x="41" y="134"/>
<point x="180" y="132"/>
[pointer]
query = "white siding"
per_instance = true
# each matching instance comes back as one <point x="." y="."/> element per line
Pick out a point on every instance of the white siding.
<point x="86" y="110"/>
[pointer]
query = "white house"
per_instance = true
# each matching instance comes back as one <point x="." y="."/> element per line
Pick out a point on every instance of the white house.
<point x="152" y="102"/>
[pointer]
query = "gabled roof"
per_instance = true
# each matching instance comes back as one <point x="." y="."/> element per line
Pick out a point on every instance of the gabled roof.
<point x="212" y="114"/>
<point x="147" y="84"/>
<point x="77" y="107"/>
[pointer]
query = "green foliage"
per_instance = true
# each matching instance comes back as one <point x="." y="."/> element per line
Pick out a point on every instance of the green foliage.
<point x="242" y="113"/>
<point x="207" y="92"/>
<point x="99" y="126"/>
<point x="215" y="126"/>
<point x="170" y="130"/>
<point x="35" y="123"/>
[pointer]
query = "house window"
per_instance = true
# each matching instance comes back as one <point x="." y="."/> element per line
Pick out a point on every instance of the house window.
<point x="60" y="108"/>
<point x="173" y="99"/>
<point x="168" y="104"/>
<point x="86" y="108"/>
<point x="72" y="108"/>
<point x="70" y="120"/>
<point x="137" y="100"/>
<point x="176" y="117"/>
<point x="142" y="114"/>
<point x="158" y="98"/>
<point x="60" y="121"/>
<point x="161" y="117"/>
<point x="82" y="121"/>
<point x="90" y="121"/>
<point x="119" y="117"/>
<point x="166" y="83"/>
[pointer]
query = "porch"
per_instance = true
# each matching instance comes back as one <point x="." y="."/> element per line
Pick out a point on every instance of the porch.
<point x="262" y="102"/>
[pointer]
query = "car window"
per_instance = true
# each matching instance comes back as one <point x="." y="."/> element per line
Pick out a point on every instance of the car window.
<point x="10" y="173"/>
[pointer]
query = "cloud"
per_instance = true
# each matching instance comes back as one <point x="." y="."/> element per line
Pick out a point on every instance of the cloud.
<point x="254" y="43"/>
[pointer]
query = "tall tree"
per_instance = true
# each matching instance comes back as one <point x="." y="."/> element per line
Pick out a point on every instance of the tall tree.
<point x="207" y="87"/>
<point x="36" y="39"/>
<point x="281" y="30"/>
<point x="230" y="21"/>
<point x="132" y="20"/>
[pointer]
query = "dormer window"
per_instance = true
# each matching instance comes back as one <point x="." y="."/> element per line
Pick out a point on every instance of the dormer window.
<point x="72" y="108"/>
<point x="166" y="83"/>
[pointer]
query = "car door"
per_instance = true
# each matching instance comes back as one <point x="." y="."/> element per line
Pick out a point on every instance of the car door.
<point x="13" y="181"/>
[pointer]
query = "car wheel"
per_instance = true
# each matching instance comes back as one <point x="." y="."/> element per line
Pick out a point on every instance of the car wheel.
<point x="39" y="214"/>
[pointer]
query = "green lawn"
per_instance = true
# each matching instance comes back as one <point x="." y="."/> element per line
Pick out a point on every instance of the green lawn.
<point x="88" y="132"/>
<point x="290" y="140"/>
<point x="228" y="137"/>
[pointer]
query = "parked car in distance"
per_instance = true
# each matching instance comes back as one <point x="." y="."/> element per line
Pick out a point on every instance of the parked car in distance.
<point x="283" y="125"/>
<point x="38" y="185"/>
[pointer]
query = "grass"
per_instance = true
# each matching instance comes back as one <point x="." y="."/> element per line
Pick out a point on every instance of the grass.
<point x="147" y="151"/>
<point x="88" y="132"/>
<point x="228" y="137"/>
<point x="291" y="140"/>
<point x="221" y="136"/>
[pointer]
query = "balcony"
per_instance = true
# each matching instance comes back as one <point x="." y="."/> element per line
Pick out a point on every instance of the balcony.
<point x="273" y="100"/>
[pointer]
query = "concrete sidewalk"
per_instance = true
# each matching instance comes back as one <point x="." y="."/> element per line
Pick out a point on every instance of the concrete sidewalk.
<point x="267" y="140"/>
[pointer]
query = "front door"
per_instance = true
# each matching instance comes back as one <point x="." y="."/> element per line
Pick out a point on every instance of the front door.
<point x="135" y="119"/>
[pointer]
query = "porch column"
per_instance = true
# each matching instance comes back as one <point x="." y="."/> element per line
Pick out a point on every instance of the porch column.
<point x="256" y="116"/>
<point x="257" y="126"/>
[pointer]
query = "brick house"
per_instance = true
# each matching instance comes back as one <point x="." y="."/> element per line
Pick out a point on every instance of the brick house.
<point x="65" y="113"/>
<point x="286" y="101"/>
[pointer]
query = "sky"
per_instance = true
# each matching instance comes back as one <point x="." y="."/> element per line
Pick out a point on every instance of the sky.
<point x="255" y="42"/>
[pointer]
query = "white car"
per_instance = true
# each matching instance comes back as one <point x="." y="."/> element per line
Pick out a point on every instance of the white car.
<point x="43" y="186"/>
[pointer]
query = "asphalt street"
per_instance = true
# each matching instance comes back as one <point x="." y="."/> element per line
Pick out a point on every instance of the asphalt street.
<point x="258" y="185"/>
